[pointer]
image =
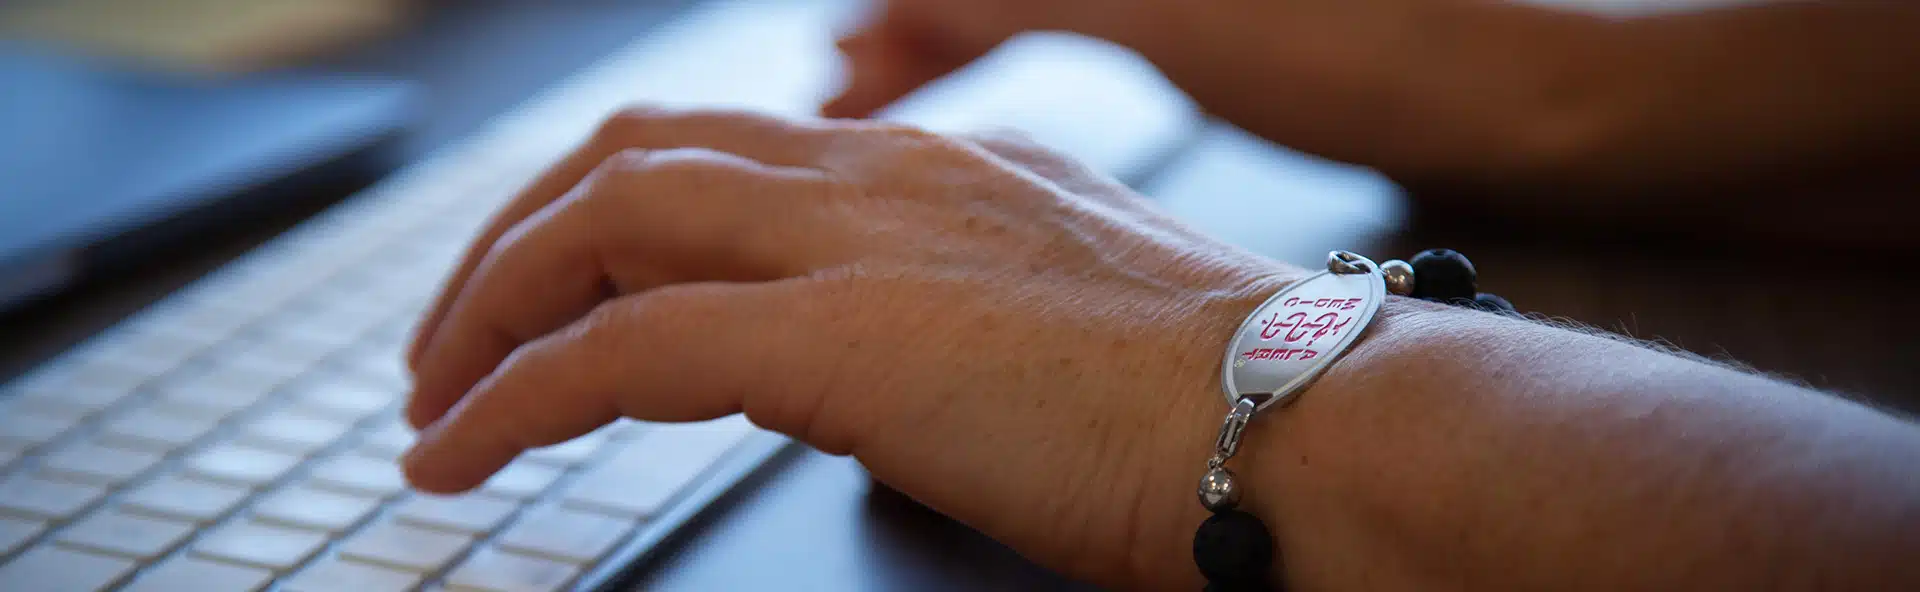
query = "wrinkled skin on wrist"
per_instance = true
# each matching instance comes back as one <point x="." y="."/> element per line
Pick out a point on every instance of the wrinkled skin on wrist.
<point x="990" y="328"/>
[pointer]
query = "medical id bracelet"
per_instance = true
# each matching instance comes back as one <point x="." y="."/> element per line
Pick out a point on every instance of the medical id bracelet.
<point x="1278" y="351"/>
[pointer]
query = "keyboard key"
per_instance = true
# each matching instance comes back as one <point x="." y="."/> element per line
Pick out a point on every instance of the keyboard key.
<point x="405" y="547"/>
<point x="384" y="369"/>
<point x="493" y="570"/>
<point x="360" y="474"/>
<point x="292" y="432"/>
<point x="567" y="453"/>
<point x="38" y="496"/>
<point x="521" y="480"/>
<point x="95" y="371"/>
<point x="648" y="471"/>
<point x="183" y="498"/>
<point x="217" y="395"/>
<point x="314" y="508"/>
<point x="272" y="547"/>
<point x="71" y="402"/>
<point x="120" y="533"/>
<point x="14" y="531"/>
<point x="89" y="461"/>
<point x="335" y="574"/>
<point x="389" y="439"/>
<point x="344" y="399"/>
<point x="561" y="533"/>
<point x="157" y="428"/>
<point x="240" y="464"/>
<point x="31" y="428"/>
<point x="187" y="572"/>
<point x="471" y="514"/>
<point x="59" y="569"/>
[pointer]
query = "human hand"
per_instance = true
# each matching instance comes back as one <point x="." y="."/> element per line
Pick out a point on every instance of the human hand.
<point x="1011" y="339"/>
<point x="1457" y="92"/>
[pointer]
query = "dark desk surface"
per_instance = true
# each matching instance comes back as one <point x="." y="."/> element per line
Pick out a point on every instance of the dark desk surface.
<point x="817" y="522"/>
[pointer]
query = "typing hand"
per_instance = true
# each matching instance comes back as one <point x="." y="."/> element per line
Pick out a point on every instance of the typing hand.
<point x="990" y="328"/>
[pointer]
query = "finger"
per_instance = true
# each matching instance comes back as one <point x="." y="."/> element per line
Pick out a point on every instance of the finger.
<point x="890" y="59"/>
<point x="763" y="138"/>
<point x="553" y="267"/>
<point x="680" y="353"/>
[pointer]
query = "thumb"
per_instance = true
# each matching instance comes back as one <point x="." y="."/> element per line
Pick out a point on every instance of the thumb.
<point x="896" y="54"/>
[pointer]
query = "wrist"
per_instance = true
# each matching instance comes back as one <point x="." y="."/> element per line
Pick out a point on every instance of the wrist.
<point x="1306" y="465"/>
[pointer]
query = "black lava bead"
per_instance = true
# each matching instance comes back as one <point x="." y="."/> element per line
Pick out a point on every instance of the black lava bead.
<point x="1444" y="274"/>
<point x="1491" y="302"/>
<point x="1235" y="551"/>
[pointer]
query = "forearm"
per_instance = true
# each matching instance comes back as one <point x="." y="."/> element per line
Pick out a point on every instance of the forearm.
<point x="1504" y="98"/>
<point x="1458" y="450"/>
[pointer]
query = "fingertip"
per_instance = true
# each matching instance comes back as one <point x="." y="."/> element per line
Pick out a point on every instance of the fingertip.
<point x="439" y="464"/>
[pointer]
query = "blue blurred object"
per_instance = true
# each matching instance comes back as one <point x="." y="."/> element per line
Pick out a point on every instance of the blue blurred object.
<point x="91" y="152"/>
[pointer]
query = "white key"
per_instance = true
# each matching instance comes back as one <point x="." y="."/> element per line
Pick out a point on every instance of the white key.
<point x="91" y="462"/>
<point x="179" y="497"/>
<point x="567" y="453"/>
<point x="155" y="427"/>
<point x="472" y="514"/>
<point x="335" y="574"/>
<point x="314" y="508"/>
<point x="521" y="480"/>
<point x="14" y="531"/>
<point x="31" y="428"/>
<point x="405" y="547"/>
<point x="240" y="464"/>
<point x="649" y="470"/>
<point x="38" y="496"/>
<point x="187" y="572"/>
<point x="292" y="432"/>
<point x="493" y="570"/>
<point x="360" y="474"/>
<point x="120" y="533"/>
<point x="59" y="569"/>
<point x="389" y="439"/>
<point x="268" y="546"/>
<point x="216" y="396"/>
<point x="344" y="399"/>
<point x="382" y="369"/>
<point x="564" y="534"/>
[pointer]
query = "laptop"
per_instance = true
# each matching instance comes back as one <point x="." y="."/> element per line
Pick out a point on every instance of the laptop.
<point x="241" y="434"/>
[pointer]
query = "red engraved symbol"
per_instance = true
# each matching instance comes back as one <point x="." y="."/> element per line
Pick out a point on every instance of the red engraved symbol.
<point x="1325" y="325"/>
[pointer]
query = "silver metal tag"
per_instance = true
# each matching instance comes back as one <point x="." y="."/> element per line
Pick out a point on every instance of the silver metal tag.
<point x="1295" y="335"/>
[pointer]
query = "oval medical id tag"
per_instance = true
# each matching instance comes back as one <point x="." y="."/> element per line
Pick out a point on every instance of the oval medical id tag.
<point x="1292" y="337"/>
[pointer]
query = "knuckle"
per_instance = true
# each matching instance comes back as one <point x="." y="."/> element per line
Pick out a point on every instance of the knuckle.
<point x="639" y="124"/>
<point x="638" y="167"/>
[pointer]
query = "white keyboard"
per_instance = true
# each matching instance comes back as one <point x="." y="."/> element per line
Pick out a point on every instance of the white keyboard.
<point x="242" y="434"/>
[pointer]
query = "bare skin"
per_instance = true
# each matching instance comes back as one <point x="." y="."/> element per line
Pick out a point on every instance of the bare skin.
<point x="1032" y="349"/>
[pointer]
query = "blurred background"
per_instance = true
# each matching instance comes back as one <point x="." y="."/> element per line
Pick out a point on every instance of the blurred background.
<point x="182" y="132"/>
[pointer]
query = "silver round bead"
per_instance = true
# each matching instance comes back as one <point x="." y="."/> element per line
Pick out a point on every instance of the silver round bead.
<point x="1399" y="276"/>
<point x="1218" y="490"/>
